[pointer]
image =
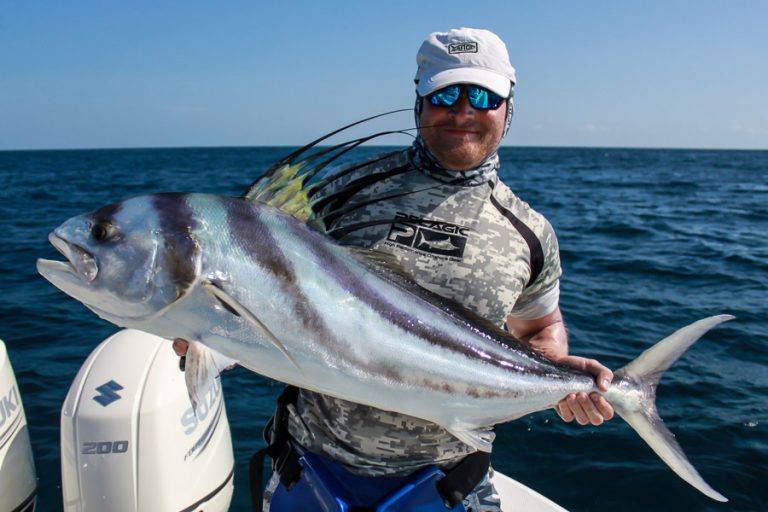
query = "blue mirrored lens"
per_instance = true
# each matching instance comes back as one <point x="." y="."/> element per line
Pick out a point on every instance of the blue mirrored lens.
<point x="479" y="97"/>
<point x="483" y="99"/>
<point x="446" y="97"/>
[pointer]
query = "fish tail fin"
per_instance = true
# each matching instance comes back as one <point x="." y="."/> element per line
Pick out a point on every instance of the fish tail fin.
<point x="636" y="403"/>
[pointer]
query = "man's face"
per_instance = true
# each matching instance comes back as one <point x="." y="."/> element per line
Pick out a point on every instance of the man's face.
<point x="461" y="136"/>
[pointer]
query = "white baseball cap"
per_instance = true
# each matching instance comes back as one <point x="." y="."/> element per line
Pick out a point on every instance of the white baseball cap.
<point x="464" y="56"/>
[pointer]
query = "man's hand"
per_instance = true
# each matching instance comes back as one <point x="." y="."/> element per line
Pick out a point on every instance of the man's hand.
<point x="587" y="409"/>
<point x="180" y="346"/>
<point x="548" y="337"/>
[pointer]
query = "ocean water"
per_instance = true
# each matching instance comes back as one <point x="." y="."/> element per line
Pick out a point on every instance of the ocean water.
<point x="651" y="240"/>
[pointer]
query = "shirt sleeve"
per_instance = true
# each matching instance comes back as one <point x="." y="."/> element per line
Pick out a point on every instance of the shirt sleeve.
<point x="543" y="295"/>
<point x="539" y="307"/>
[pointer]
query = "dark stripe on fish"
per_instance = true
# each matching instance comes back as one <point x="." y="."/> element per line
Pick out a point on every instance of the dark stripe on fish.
<point x="403" y="318"/>
<point x="255" y="238"/>
<point x="106" y="213"/>
<point x="177" y="223"/>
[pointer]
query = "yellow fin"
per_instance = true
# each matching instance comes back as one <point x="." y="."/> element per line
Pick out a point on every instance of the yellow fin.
<point x="286" y="185"/>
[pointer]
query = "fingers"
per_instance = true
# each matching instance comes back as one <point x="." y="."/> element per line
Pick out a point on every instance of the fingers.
<point x="603" y="374"/>
<point x="591" y="409"/>
<point x="180" y="346"/>
<point x="564" y="411"/>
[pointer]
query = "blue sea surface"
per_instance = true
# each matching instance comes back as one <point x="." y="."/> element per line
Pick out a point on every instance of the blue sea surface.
<point x="651" y="240"/>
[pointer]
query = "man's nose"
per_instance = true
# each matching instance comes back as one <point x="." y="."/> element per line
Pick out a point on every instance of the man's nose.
<point x="462" y="106"/>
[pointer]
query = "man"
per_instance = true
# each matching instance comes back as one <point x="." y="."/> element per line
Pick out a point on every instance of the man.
<point x="440" y="209"/>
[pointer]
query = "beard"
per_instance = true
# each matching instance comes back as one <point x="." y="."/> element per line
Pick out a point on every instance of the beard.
<point x="461" y="147"/>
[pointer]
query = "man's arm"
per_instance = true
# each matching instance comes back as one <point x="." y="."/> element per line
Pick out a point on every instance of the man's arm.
<point x="548" y="336"/>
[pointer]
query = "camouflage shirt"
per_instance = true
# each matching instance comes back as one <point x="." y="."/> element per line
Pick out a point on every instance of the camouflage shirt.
<point x="464" y="236"/>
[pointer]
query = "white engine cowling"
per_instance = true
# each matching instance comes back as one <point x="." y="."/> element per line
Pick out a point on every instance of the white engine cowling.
<point x="130" y="440"/>
<point x="18" y="482"/>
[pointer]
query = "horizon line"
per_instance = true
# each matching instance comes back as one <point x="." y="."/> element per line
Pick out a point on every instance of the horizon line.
<point x="541" y="146"/>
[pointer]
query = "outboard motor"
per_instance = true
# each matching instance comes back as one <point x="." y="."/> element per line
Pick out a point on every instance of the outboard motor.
<point x="130" y="440"/>
<point x="18" y="482"/>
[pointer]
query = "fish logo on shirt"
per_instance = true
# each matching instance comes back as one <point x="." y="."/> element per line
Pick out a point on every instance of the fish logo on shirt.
<point x="430" y="236"/>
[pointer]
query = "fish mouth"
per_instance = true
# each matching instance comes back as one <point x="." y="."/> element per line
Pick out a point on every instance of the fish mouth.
<point x="80" y="263"/>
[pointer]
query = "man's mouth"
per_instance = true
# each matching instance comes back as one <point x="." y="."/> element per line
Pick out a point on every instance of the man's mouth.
<point x="458" y="129"/>
<point x="461" y="133"/>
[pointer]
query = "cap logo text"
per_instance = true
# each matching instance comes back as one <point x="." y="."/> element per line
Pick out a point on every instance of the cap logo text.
<point x="464" y="47"/>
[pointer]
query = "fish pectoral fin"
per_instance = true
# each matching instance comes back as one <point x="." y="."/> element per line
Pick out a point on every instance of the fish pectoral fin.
<point x="201" y="369"/>
<point x="480" y="439"/>
<point x="233" y="305"/>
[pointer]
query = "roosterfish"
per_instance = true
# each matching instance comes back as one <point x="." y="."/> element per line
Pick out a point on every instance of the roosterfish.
<point x="256" y="281"/>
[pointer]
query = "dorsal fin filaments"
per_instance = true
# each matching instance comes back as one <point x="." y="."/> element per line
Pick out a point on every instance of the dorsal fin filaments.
<point x="286" y="185"/>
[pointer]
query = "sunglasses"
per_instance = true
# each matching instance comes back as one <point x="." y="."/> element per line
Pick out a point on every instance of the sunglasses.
<point x="479" y="97"/>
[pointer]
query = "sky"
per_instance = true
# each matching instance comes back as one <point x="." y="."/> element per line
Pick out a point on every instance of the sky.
<point x="95" y="74"/>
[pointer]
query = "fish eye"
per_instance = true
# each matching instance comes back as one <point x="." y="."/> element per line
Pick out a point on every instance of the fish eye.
<point x="103" y="231"/>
